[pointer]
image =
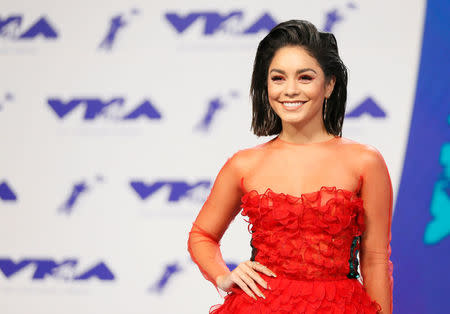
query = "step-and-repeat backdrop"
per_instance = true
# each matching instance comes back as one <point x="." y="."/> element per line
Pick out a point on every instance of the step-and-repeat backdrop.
<point x="115" y="117"/>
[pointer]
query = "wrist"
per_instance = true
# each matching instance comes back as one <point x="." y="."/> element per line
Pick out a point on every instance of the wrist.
<point x="219" y="278"/>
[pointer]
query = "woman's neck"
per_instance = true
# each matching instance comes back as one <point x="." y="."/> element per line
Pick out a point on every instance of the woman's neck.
<point x="304" y="135"/>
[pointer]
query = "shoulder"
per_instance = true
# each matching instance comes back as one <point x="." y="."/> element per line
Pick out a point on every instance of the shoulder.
<point x="360" y="148"/>
<point x="368" y="156"/>
<point x="245" y="157"/>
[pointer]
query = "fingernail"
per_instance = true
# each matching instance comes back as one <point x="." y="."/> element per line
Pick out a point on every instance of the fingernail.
<point x="274" y="275"/>
<point x="263" y="296"/>
<point x="269" y="287"/>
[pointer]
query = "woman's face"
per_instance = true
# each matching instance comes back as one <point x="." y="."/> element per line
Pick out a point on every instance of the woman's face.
<point x="296" y="86"/>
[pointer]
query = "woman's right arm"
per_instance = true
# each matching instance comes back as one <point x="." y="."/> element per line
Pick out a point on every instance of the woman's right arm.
<point x="218" y="211"/>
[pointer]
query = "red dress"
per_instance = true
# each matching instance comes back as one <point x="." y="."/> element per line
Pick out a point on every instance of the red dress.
<point x="310" y="241"/>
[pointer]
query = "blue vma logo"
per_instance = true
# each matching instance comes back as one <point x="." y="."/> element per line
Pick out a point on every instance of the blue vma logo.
<point x="214" y="106"/>
<point x="112" y="109"/>
<point x="335" y="16"/>
<point x="232" y="23"/>
<point x="439" y="227"/>
<point x="116" y="23"/>
<point x="6" y="192"/>
<point x="367" y="107"/>
<point x="178" y="190"/>
<point x="78" y="189"/>
<point x="66" y="270"/>
<point x="171" y="270"/>
<point x="11" y="27"/>
<point x="214" y="22"/>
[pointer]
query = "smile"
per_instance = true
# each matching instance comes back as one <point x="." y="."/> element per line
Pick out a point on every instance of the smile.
<point x="293" y="105"/>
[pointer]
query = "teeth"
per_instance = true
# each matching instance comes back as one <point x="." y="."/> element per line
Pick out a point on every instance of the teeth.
<point x="293" y="104"/>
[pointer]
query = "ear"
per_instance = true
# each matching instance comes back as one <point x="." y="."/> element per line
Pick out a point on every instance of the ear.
<point x="330" y="86"/>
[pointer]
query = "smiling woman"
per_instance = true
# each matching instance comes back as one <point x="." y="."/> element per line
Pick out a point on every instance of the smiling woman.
<point x="280" y="81"/>
<point x="296" y="81"/>
<point x="313" y="198"/>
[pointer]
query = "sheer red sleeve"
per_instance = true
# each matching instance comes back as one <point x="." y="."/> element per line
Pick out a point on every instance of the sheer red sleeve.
<point x="376" y="267"/>
<point x="218" y="211"/>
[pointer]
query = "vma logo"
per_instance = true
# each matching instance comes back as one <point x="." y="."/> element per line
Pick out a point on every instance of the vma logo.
<point x="116" y="23"/>
<point x="215" y="105"/>
<point x="336" y="16"/>
<point x="7" y="193"/>
<point x="171" y="270"/>
<point x="66" y="270"/>
<point x="214" y="22"/>
<point x="112" y="109"/>
<point x="11" y="27"/>
<point x="178" y="190"/>
<point x="78" y="189"/>
<point x="367" y="107"/>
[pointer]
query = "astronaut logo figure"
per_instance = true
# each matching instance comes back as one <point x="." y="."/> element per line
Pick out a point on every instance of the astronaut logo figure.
<point x="116" y="23"/>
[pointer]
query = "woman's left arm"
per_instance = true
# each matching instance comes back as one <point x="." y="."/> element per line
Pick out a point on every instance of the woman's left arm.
<point x="376" y="193"/>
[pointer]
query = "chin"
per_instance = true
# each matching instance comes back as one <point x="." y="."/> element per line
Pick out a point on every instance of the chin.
<point x="291" y="118"/>
<point x="290" y="114"/>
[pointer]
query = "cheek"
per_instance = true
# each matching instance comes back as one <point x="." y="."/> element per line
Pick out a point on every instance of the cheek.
<point x="273" y="90"/>
<point x="314" y="90"/>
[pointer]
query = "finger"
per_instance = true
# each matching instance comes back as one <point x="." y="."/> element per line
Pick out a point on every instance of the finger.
<point x="264" y="269"/>
<point x="249" y="281"/>
<point x="244" y="287"/>
<point x="255" y="276"/>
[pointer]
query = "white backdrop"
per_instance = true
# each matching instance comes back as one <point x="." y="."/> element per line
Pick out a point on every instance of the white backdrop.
<point x="95" y="207"/>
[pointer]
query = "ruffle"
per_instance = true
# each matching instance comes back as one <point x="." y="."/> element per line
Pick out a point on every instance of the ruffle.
<point x="333" y="216"/>
<point x="288" y="296"/>
<point x="305" y="237"/>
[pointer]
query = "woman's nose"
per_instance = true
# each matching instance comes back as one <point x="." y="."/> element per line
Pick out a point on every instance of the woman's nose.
<point x="291" y="88"/>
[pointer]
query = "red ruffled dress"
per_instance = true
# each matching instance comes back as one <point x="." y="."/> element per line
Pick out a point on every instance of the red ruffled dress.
<point x="311" y="241"/>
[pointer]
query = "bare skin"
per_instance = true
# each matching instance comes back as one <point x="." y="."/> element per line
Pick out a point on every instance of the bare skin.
<point x="294" y="75"/>
<point x="246" y="277"/>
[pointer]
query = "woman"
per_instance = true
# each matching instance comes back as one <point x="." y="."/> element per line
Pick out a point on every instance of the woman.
<point x="314" y="199"/>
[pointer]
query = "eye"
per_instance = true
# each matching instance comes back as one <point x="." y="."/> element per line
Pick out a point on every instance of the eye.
<point x="306" y="77"/>
<point x="277" y="78"/>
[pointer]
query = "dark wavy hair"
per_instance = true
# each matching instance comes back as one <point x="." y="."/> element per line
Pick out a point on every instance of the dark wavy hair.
<point x="320" y="45"/>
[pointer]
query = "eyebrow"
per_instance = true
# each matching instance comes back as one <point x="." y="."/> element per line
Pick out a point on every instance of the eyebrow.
<point x="298" y="71"/>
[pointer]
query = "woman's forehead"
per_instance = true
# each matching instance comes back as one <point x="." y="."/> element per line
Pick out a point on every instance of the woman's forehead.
<point x="292" y="58"/>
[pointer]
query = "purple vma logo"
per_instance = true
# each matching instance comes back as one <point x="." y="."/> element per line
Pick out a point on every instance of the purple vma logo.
<point x="7" y="193"/>
<point x="65" y="270"/>
<point x="11" y="27"/>
<point x="178" y="190"/>
<point x="214" y="106"/>
<point x="215" y="22"/>
<point x="116" y="23"/>
<point x="112" y="108"/>
<point x="171" y="270"/>
<point x="367" y="107"/>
